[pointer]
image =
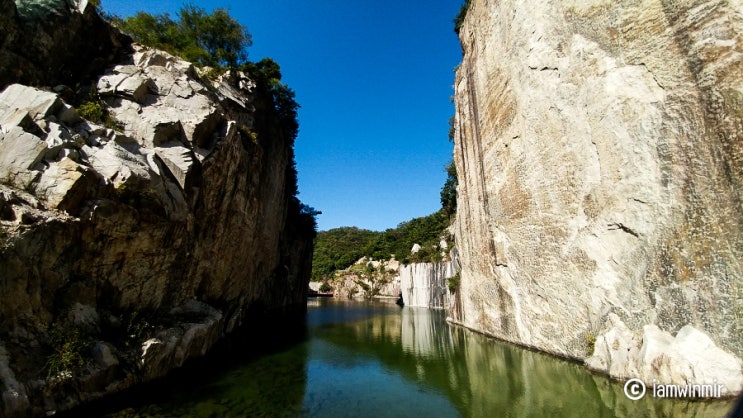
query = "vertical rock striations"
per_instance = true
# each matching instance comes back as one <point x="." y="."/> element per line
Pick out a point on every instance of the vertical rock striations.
<point x="427" y="284"/>
<point x="598" y="149"/>
<point x="423" y="285"/>
<point x="128" y="248"/>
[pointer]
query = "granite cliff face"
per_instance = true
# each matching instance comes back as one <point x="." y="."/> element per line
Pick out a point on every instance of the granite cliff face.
<point x="427" y="284"/>
<point x="598" y="150"/>
<point x="128" y="248"/>
<point x="424" y="285"/>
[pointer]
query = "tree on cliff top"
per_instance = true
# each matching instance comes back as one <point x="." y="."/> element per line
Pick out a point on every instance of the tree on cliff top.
<point x="449" y="191"/>
<point x="213" y="39"/>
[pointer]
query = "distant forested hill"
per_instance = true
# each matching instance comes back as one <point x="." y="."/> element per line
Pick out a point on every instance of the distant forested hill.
<point x="339" y="248"/>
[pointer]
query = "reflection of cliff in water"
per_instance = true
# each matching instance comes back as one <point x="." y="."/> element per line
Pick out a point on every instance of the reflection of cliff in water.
<point x="259" y="374"/>
<point x="482" y="376"/>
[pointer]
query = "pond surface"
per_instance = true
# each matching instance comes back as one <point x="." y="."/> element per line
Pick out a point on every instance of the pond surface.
<point x="375" y="359"/>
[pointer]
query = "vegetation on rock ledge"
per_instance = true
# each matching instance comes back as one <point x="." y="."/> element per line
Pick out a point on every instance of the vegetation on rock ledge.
<point x="449" y="191"/>
<point x="218" y="42"/>
<point x="459" y="20"/>
<point x="205" y="39"/>
<point x="69" y="348"/>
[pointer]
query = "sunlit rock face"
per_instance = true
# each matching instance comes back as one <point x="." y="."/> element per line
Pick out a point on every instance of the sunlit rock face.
<point x="598" y="150"/>
<point x="424" y="285"/>
<point x="137" y="245"/>
<point x="427" y="284"/>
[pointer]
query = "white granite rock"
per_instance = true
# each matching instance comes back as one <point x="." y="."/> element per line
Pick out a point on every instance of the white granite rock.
<point x="598" y="152"/>
<point x="20" y="152"/>
<point x="425" y="284"/>
<point x="691" y="357"/>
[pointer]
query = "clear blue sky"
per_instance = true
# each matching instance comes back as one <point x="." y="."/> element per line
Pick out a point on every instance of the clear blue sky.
<point x="374" y="79"/>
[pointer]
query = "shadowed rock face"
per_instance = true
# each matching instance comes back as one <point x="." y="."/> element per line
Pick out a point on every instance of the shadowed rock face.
<point x="55" y="42"/>
<point x="131" y="248"/>
<point x="598" y="149"/>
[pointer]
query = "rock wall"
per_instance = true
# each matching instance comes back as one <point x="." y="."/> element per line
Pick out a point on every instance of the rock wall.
<point x="420" y="284"/>
<point x="128" y="248"/>
<point x="598" y="150"/>
<point x="30" y="49"/>
<point x="426" y="284"/>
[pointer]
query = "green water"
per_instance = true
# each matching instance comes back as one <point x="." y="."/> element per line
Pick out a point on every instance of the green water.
<point x="378" y="360"/>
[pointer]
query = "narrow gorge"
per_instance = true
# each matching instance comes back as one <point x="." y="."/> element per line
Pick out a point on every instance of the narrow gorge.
<point x="593" y="210"/>
<point x="598" y="150"/>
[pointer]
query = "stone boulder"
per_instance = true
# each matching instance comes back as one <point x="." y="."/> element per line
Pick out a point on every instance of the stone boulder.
<point x="691" y="357"/>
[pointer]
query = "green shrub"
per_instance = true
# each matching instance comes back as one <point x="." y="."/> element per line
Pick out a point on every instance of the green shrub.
<point x="92" y="111"/>
<point x="453" y="283"/>
<point x="267" y="75"/>
<point x="247" y="134"/>
<point x="590" y="342"/>
<point x="459" y="20"/>
<point x="212" y="73"/>
<point x="96" y="112"/>
<point x="452" y="129"/>
<point x="213" y="39"/>
<point x="449" y="191"/>
<point x="69" y="349"/>
<point x="325" y="287"/>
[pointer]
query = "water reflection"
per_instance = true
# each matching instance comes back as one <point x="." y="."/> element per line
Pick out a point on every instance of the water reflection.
<point x="372" y="359"/>
<point x="484" y="377"/>
<point x="261" y="374"/>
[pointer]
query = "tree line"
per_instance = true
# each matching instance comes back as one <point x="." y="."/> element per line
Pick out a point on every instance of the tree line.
<point x="339" y="248"/>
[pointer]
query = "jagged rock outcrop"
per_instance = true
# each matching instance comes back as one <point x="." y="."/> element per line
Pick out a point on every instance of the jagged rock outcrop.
<point x="598" y="151"/>
<point x="691" y="356"/>
<point x="129" y="248"/>
<point x="368" y="278"/>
